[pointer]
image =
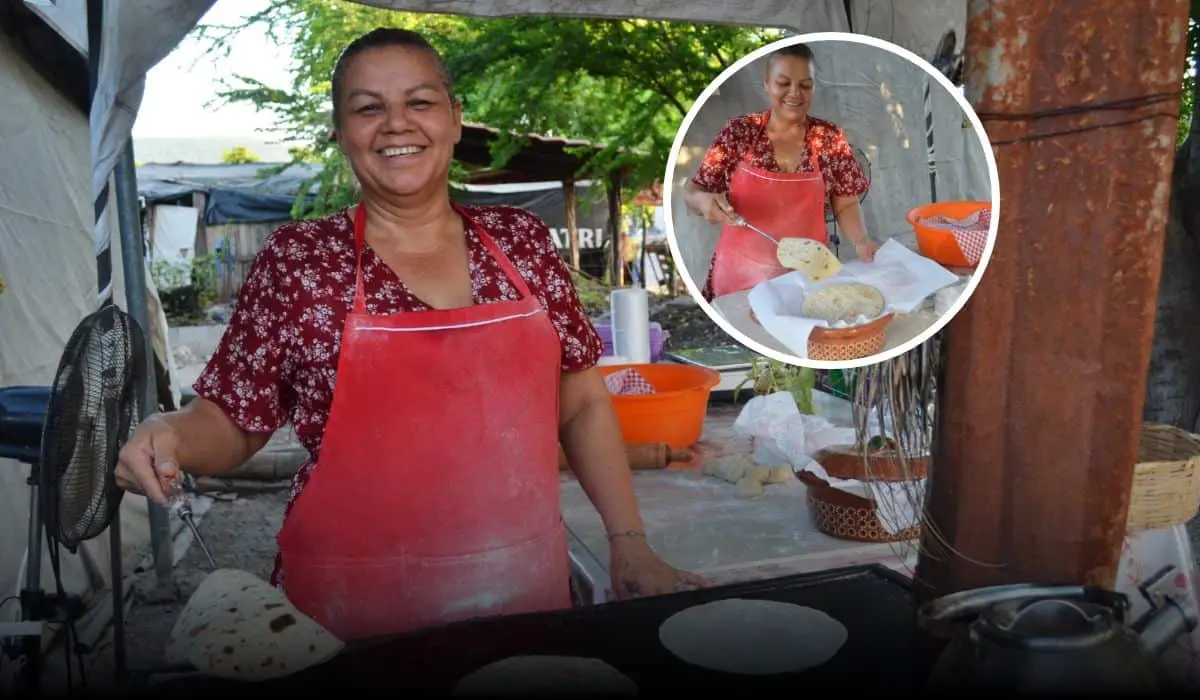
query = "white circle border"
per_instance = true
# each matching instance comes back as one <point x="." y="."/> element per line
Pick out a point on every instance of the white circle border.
<point x="669" y="186"/>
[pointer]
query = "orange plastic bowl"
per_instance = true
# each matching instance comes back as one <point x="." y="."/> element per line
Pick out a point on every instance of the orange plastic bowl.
<point x="674" y="413"/>
<point x="935" y="243"/>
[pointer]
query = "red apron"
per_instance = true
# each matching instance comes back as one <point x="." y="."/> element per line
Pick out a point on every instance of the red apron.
<point x="436" y="495"/>
<point x="785" y="205"/>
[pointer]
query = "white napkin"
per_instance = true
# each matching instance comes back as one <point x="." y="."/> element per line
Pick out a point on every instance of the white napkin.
<point x="904" y="278"/>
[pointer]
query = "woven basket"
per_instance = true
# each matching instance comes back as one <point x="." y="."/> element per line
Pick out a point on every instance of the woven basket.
<point x="1166" y="480"/>
<point x="847" y="516"/>
<point x="843" y="344"/>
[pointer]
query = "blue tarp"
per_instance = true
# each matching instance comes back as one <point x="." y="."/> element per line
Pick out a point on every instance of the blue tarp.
<point x="234" y="193"/>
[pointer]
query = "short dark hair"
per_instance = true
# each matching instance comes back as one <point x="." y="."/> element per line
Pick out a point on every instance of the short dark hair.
<point x="791" y="51"/>
<point x="382" y="37"/>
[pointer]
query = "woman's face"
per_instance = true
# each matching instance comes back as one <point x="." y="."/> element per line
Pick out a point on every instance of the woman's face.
<point x="789" y="86"/>
<point x="398" y="124"/>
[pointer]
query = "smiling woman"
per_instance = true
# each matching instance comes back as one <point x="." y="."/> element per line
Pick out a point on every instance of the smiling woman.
<point x="431" y="358"/>
<point x="780" y="170"/>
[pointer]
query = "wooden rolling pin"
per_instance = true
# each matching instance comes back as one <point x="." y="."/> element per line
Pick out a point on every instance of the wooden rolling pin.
<point x="655" y="455"/>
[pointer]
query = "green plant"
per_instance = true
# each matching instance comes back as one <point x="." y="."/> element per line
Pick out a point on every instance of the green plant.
<point x="768" y="376"/>
<point x="186" y="289"/>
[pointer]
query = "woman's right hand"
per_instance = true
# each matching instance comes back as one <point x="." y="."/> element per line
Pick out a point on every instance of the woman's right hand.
<point x="147" y="464"/>
<point x="718" y="210"/>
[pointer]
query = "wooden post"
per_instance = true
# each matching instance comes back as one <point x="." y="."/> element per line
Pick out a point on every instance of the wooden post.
<point x="1045" y="374"/>
<point x="572" y="231"/>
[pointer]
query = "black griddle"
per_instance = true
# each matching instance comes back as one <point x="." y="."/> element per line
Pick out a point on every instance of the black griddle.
<point x="875" y="604"/>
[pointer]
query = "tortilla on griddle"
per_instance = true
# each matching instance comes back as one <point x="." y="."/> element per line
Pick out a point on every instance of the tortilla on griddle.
<point x="843" y="302"/>
<point x="753" y="637"/>
<point x="239" y="627"/>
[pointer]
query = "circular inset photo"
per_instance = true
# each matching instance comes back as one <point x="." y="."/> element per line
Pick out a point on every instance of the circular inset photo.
<point x="831" y="200"/>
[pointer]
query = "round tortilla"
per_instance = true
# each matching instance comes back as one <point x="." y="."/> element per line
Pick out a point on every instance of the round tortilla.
<point x="844" y="302"/>
<point x="752" y="637"/>
<point x="551" y="676"/>
<point x="814" y="260"/>
<point x="239" y="627"/>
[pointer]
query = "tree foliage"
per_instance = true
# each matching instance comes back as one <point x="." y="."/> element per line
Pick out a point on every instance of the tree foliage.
<point x="624" y="84"/>
<point x="239" y="155"/>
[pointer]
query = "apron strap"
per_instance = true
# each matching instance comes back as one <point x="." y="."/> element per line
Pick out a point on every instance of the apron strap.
<point x="360" y="232"/>
<point x="490" y="243"/>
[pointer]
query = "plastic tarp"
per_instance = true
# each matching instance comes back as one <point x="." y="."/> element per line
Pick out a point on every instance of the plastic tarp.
<point x="247" y="192"/>
<point x="48" y="263"/>
<point x="547" y="201"/>
<point x="877" y="98"/>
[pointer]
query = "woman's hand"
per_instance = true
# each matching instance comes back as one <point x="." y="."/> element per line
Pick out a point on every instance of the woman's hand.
<point x="866" y="250"/>
<point x="638" y="571"/>
<point x="718" y="210"/>
<point x="147" y="464"/>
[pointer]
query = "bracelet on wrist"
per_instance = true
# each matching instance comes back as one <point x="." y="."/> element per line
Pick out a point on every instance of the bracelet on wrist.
<point x="627" y="533"/>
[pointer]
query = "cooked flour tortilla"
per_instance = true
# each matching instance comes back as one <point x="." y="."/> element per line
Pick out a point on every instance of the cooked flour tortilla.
<point x="752" y="637"/>
<point x="239" y="627"/>
<point x="843" y="302"/>
<point x="550" y="676"/>
<point x="815" y="260"/>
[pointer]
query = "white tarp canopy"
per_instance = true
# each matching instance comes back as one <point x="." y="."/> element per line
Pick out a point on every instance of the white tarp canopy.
<point x="49" y="266"/>
<point x="878" y="99"/>
<point x="46" y="193"/>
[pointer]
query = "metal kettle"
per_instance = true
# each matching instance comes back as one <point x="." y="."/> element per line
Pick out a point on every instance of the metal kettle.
<point x="1030" y="638"/>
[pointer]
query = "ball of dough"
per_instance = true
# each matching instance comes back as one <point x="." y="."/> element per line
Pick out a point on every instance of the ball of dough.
<point x="730" y="468"/>
<point x="844" y="302"/>
<point x="780" y="475"/>
<point x="760" y="474"/>
<point x="546" y="676"/>
<point x="749" y="487"/>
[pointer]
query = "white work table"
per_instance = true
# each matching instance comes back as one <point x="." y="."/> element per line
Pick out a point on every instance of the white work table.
<point x="696" y="523"/>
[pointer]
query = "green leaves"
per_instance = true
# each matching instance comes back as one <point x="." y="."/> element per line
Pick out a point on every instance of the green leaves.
<point x="625" y="84"/>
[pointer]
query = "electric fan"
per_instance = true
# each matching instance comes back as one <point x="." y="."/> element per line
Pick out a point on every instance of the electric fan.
<point x="70" y="435"/>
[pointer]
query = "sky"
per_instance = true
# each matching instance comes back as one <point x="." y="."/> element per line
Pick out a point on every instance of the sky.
<point x="178" y="88"/>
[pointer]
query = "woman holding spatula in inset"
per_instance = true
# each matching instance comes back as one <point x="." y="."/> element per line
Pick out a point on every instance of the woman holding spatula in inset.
<point x="431" y="358"/>
<point x="779" y="171"/>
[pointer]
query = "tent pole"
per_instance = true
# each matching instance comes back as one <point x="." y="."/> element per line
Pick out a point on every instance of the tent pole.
<point x="133" y="264"/>
<point x="1044" y="378"/>
<point x="100" y="201"/>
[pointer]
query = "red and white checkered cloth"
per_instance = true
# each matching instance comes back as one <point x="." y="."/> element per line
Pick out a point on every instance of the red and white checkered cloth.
<point x="628" y="382"/>
<point x="971" y="233"/>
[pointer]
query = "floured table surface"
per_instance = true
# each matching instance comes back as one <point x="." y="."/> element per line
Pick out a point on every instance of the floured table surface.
<point x="696" y="522"/>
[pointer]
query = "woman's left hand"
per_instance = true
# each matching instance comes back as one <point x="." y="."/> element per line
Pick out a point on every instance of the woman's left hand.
<point x="866" y="250"/>
<point x="638" y="571"/>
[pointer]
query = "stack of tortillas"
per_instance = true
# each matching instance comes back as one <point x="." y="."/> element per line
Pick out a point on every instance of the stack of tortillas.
<point x="844" y="303"/>
<point x="816" y="261"/>
<point x="239" y="627"/>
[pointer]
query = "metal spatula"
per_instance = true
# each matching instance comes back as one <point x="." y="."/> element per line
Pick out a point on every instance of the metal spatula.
<point x="179" y="504"/>
<point x="741" y="221"/>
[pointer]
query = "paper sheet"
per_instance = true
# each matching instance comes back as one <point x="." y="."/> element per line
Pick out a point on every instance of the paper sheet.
<point x="904" y="278"/>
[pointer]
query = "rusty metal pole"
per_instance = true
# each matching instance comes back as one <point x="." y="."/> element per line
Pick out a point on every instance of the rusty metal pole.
<point x="1045" y="371"/>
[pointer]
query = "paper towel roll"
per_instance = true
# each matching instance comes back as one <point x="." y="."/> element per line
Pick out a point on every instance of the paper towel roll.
<point x="631" y="324"/>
